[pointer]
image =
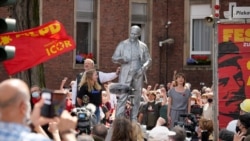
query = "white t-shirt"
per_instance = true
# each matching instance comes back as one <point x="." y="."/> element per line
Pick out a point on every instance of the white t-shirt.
<point x="113" y="100"/>
<point x="231" y="126"/>
<point x="74" y="92"/>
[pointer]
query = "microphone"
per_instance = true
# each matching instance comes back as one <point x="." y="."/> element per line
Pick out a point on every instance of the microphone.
<point x="226" y="135"/>
<point x="118" y="89"/>
<point x="91" y="107"/>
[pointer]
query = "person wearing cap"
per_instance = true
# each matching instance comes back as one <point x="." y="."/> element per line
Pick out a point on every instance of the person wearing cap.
<point x="193" y="99"/>
<point x="160" y="133"/>
<point x="208" y="107"/>
<point x="208" y="90"/>
<point x="196" y="109"/>
<point x="203" y="99"/>
<point x="244" y="108"/>
<point x="231" y="82"/>
<point x="197" y="93"/>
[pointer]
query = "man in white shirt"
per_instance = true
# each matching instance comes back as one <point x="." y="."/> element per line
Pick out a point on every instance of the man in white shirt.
<point x="102" y="77"/>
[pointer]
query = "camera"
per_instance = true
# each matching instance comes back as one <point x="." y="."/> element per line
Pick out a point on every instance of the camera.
<point x="86" y="118"/>
<point x="118" y="89"/>
<point x="196" y="109"/>
<point x="189" y="125"/>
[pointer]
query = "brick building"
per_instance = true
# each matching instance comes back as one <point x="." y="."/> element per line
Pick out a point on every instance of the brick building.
<point x="99" y="25"/>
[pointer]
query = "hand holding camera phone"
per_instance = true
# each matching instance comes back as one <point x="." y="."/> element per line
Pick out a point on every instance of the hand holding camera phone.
<point x="54" y="103"/>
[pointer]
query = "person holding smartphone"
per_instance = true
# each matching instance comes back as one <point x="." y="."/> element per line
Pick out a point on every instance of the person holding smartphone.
<point x="243" y="127"/>
<point x="15" y="112"/>
<point x="89" y="86"/>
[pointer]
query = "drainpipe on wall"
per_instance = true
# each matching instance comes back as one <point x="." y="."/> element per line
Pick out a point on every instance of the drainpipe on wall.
<point x="215" y="75"/>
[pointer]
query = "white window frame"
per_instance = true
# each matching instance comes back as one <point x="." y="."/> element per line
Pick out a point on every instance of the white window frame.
<point x="84" y="10"/>
<point x="90" y="31"/>
<point x="82" y="15"/>
<point x="198" y="12"/>
<point x="141" y="22"/>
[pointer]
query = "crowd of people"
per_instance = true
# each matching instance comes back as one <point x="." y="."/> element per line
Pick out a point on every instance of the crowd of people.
<point x="154" y="122"/>
<point x="167" y="112"/>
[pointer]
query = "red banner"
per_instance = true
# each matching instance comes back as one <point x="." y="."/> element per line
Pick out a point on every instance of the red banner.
<point x="36" y="45"/>
<point x="233" y="70"/>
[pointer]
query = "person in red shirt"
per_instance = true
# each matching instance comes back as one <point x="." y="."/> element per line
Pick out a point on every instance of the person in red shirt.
<point x="35" y="91"/>
<point x="68" y="101"/>
<point x="69" y="106"/>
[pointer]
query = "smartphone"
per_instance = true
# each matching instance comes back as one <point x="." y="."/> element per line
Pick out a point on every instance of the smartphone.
<point x="204" y="135"/>
<point x="54" y="103"/>
<point x="59" y="101"/>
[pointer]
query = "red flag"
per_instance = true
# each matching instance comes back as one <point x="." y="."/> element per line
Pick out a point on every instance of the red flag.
<point x="36" y="45"/>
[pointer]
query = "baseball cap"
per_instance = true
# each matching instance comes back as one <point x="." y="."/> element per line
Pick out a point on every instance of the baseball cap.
<point x="193" y="96"/>
<point x="204" y="96"/>
<point x="208" y="95"/>
<point x="245" y="105"/>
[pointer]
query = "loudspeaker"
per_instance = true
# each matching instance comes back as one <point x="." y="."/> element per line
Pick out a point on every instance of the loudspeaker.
<point x="209" y="20"/>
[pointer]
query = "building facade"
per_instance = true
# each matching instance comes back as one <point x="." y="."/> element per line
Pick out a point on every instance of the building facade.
<point x="99" y="25"/>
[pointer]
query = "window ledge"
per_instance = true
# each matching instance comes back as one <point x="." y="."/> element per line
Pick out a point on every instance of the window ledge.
<point x="78" y="66"/>
<point x="197" y="67"/>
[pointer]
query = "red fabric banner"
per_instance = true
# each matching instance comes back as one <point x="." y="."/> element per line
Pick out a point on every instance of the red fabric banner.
<point x="36" y="45"/>
<point x="233" y="70"/>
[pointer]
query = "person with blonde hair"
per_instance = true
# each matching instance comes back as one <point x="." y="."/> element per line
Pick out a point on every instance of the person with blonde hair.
<point x="208" y="107"/>
<point x="89" y="87"/>
<point x="137" y="131"/>
<point x="102" y="78"/>
<point x="205" y="129"/>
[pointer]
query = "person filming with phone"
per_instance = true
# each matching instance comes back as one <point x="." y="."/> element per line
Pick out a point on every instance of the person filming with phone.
<point x="16" y="119"/>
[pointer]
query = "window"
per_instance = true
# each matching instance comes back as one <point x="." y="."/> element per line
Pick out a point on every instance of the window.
<point x="85" y="23"/>
<point x="139" y="14"/>
<point x="201" y="38"/>
<point x="200" y="34"/>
